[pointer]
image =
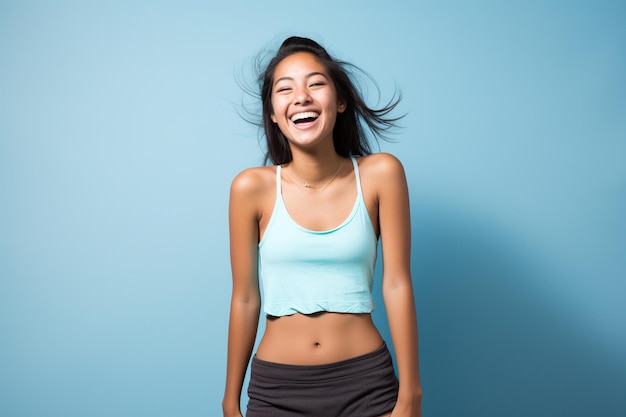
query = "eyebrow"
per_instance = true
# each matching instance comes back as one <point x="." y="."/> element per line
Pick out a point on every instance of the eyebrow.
<point x="311" y="74"/>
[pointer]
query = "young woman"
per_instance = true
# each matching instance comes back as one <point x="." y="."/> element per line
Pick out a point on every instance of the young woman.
<point x="307" y="229"/>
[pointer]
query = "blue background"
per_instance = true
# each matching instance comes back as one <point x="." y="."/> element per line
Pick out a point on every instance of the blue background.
<point x="120" y="134"/>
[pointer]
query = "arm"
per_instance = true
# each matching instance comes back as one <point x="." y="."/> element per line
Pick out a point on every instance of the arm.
<point x="245" y="300"/>
<point x="395" y="233"/>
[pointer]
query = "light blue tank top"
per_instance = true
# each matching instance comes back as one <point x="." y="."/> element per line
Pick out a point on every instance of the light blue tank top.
<point x="306" y="271"/>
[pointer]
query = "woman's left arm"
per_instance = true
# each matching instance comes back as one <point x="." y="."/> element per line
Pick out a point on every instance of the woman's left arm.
<point x="395" y="235"/>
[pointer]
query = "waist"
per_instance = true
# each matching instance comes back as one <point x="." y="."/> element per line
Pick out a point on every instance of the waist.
<point x="361" y="364"/>
<point x="318" y="339"/>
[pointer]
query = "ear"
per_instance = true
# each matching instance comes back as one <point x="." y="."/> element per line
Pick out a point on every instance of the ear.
<point x="341" y="106"/>
<point x="273" y="117"/>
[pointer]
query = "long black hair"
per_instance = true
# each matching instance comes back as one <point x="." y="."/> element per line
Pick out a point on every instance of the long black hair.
<point x="350" y="131"/>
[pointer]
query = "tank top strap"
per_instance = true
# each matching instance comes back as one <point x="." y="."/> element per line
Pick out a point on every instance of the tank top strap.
<point x="357" y="176"/>
<point x="278" y="184"/>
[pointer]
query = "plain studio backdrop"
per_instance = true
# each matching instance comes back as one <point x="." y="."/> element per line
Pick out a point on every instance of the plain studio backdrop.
<point x="120" y="133"/>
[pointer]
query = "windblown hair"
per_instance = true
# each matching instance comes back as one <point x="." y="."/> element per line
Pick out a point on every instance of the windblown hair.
<point x="350" y="132"/>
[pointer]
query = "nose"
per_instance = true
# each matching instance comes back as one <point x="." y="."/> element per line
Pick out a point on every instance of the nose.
<point x="302" y="96"/>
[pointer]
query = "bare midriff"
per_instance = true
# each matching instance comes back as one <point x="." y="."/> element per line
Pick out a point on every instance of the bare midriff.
<point x="317" y="339"/>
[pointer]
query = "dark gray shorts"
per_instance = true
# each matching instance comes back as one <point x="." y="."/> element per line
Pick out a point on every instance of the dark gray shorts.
<point x="364" y="386"/>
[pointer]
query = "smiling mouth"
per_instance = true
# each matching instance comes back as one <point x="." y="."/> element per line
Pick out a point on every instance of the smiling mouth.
<point x="304" y="117"/>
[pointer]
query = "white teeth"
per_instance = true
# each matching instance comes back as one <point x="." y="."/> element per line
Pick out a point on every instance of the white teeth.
<point x="304" y="115"/>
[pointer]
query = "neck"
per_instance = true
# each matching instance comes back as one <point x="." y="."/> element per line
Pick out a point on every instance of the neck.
<point x="315" y="172"/>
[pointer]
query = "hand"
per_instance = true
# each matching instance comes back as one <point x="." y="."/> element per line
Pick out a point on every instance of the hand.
<point x="236" y="414"/>
<point x="231" y="411"/>
<point x="407" y="409"/>
<point x="405" y="413"/>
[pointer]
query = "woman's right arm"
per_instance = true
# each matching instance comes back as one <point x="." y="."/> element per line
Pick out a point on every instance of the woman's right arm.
<point x="245" y="304"/>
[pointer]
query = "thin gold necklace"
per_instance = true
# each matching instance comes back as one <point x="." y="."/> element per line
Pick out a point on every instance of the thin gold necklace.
<point x="308" y="184"/>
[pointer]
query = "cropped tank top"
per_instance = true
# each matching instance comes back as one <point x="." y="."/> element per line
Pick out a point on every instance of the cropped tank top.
<point x="306" y="271"/>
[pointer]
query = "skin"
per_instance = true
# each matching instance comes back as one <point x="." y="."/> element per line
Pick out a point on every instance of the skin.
<point x="301" y="84"/>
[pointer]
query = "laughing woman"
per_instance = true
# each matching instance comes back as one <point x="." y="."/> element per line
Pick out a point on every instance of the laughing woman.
<point x="307" y="228"/>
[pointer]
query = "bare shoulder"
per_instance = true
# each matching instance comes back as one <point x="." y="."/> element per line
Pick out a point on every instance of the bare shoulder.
<point x="382" y="165"/>
<point x="253" y="182"/>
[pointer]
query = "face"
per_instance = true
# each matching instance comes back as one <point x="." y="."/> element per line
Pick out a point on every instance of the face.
<point x="304" y="100"/>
